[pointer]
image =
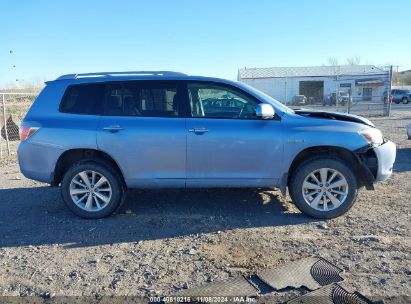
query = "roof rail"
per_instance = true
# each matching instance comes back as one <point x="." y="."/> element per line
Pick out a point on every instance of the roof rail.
<point x="113" y="74"/>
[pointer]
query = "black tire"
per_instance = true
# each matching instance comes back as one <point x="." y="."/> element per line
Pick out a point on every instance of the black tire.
<point x="405" y="100"/>
<point x="297" y="180"/>
<point x="397" y="101"/>
<point x="106" y="170"/>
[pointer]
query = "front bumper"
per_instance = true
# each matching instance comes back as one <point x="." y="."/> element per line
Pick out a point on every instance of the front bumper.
<point x="385" y="157"/>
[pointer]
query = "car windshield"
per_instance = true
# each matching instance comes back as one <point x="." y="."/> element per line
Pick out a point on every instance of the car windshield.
<point x="275" y="103"/>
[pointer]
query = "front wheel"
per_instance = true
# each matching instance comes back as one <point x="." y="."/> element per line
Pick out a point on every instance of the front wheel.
<point x="323" y="188"/>
<point x="405" y="100"/>
<point x="91" y="189"/>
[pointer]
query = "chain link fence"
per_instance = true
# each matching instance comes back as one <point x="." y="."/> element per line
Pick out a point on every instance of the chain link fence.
<point x="378" y="106"/>
<point x="359" y="89"/>
<point x="13" y="107"/>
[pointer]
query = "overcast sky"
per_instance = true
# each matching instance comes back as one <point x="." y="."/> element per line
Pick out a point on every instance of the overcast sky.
<point x="213" y="37"/>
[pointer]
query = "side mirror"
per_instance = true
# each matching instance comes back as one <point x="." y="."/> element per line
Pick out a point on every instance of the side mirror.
<point x="264" y="111"/>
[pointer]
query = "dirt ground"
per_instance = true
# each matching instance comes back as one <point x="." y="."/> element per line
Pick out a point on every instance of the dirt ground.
<point x="162" y="241"/>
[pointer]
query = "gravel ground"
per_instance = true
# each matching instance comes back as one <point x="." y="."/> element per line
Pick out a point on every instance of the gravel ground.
<point x="162" y="241"/>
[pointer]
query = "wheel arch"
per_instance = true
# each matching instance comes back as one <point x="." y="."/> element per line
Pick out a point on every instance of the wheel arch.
<point x="69" y="157"/>
<point x="361" y="171"/>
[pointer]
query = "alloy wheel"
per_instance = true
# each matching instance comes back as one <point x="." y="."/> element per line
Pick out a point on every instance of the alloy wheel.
<point x="325" y="189"/>
<point x="90" y="191"/>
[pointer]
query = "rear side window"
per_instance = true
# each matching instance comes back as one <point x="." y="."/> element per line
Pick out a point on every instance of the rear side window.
<point x="83" y="99"/>
<point x="142" y="98"/>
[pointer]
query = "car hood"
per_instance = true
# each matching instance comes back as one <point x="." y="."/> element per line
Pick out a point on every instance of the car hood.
<point x="334" y="116"/>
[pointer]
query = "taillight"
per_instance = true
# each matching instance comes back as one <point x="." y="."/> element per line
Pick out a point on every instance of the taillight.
<point x="27" y="131"/>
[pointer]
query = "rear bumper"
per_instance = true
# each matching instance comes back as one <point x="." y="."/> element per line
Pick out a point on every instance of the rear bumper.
<point x="37" y="162"/>
<point x="385" y="157"/>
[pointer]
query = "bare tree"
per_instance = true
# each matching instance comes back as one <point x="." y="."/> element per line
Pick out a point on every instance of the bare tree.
<point x="395" y="78"/>
<point x="356" y="60"/>
<point x="34" y="84"/>
<point x="405" y="77"/>
<point x="332" y="61"/>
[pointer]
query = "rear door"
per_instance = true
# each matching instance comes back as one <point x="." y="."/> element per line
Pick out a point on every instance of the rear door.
<point x="227" y="145"/>
<point x="142" y="129"/>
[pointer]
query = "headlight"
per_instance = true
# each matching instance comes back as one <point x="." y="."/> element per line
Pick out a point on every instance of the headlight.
<point x="373" y="136"/>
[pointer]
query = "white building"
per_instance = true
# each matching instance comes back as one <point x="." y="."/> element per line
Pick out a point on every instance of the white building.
<point x="366" y="82"/>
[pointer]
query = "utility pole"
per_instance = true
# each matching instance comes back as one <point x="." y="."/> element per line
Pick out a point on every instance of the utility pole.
<point x="389" y="97"/>
<point x="337" y="82"/>
<point x="285" y="92"/>
<point x="5" y="125"/>
<point x="395" y="81"/>
<point x="6" y="133"/>
<point x="1" y="144"/>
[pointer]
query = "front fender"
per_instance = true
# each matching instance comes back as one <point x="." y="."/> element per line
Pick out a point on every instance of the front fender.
<point x="303" y="138"/>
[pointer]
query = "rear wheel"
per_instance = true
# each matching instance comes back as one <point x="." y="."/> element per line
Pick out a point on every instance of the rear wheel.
<point x="405" y="100"/>
<point x="91" y="189"/>
<point x="323" y="188"/>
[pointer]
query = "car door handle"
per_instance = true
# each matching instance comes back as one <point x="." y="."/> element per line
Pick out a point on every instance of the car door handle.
<point x="113" y="128"/>
<point x="198" y="130"/>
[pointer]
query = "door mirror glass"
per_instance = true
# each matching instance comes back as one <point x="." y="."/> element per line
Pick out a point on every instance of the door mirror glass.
<point x="264" y="111"/>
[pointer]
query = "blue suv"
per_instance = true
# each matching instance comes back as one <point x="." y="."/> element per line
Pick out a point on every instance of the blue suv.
<point x="98" y="134"/>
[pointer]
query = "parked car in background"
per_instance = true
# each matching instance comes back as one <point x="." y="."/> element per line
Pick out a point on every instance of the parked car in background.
<point x="343" y="99"/>
<point x="399" y="96"/>
<point x="409" y="131"/>
<point x="97" y="134"/>
<point x="311" y="100"/>
<point x="299" y="100"/>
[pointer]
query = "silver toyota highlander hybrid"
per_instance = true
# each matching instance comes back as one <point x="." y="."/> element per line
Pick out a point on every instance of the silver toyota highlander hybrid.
<point x="97" y="134"/>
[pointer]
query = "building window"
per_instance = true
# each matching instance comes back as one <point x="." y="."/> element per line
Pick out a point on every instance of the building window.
<point x="367" y="93"/>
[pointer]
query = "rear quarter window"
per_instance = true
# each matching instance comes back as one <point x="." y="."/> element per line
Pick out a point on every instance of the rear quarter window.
<point x="83" y="99"/>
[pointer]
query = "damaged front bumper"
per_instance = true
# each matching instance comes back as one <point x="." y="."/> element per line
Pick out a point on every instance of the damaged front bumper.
<point x="385" y="157"/>
<point x="377" y="162"/>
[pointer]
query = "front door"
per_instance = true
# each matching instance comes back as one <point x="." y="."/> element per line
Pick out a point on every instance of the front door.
<point x="227" y="145"/>
<point x="142" y="130"/>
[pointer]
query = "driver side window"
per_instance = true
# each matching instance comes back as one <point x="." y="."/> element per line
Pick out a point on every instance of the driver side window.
<point x="216" y="101"/>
